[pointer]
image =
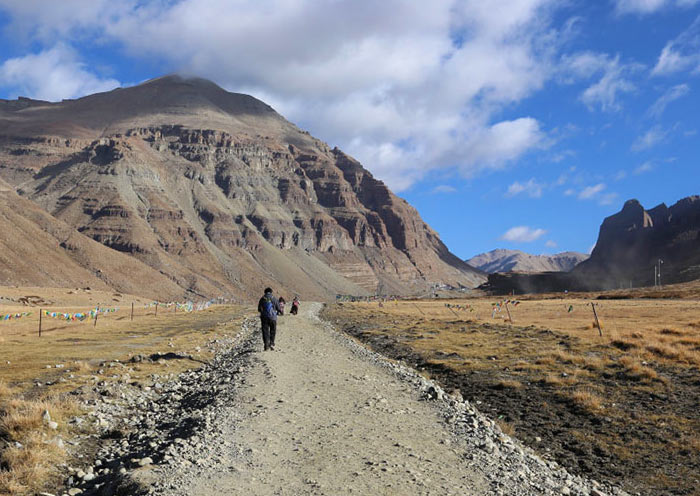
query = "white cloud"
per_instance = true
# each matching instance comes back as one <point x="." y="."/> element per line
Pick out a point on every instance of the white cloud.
<point x="597" y="193"/>
<point x="531" y="188"/>
<point x="645" y="167"/>
<point x="583" y="65"/>
<point x="406" y="87"/>
<point x="551" y="244"/>
<point x="523" y="234"/>
<point x="681" y="53"/>
<point x="607" y="198"/>
<point x="52" y="75"/>
<point x="503" y="141"/>
<point x="48" y="21"/>
<point x="561" y="156"/>
<point x="613" y="78"/>
<point x="620" y="175"/>
<point x="651" y="138"/>
<point x="671" y="94"/>
<point x="605" y="92"/>
<point x="590" y="192"/>
<point x="444" y="188"/>
<point x="565" y="176"/>
<point x="648" y="6"/>
<point x="570" y="192"/>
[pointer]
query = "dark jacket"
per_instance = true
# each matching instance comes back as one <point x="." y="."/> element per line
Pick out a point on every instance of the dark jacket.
<point x="275" y="304"/>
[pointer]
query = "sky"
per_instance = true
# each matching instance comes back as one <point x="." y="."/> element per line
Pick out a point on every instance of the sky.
<point x="515" y="124"/>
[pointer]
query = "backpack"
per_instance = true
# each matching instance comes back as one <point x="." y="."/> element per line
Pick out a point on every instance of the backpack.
<point x="269" y="311"/>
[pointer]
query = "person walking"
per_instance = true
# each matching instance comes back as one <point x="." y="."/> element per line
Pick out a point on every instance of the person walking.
<point x="268" y="307"/>
<point x="282" y="304"/>
<point x="295" y="305"/>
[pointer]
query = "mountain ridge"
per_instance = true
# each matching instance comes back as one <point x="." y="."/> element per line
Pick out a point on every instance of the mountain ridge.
<point x="220" y="193"/>
<point x="631" y="242"/>
<point x="633" y="245"/>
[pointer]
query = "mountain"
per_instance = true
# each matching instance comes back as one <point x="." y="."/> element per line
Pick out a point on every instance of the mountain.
<point x="502" y="260"/>
<point x="218" y="193"/>
<point x="630" y="244"/>
<point x="36" y="249"/>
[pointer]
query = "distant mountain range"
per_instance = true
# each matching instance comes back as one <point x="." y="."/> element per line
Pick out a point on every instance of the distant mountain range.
<point x="502" y="260"/>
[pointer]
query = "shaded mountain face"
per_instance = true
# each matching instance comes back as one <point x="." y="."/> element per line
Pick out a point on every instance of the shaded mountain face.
<point x="632" y="241"/>
<point x="630" y="244"/>
<point x="502" y="260"/>
<point x="218" y="193"/>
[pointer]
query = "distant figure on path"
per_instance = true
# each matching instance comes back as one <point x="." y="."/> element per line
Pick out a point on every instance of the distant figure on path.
<point x="295" y="305"/>
<point x="268" y="306"/>
<point x="282" y="303"/>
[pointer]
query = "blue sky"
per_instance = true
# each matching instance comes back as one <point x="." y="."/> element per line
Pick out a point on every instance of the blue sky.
<point x="509" y="123"/>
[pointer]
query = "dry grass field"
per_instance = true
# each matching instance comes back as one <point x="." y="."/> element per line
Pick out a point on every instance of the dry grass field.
<point x="36" y="372"/>
<point x="623" y="406"/>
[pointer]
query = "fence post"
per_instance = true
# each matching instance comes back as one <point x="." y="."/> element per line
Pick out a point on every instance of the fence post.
<point x="419" y="309"/>
<point x="156" y="309"/>
<point x="132" y="310"/>
<point x="97" y="312"/>
<point x="510" y="319"/>
<point x="597" y="322"/>
<point x="41" y="311"/>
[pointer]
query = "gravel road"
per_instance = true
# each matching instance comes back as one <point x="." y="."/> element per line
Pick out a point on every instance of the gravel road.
<point x="316" y="419"/>
<point x="320" y="415"/>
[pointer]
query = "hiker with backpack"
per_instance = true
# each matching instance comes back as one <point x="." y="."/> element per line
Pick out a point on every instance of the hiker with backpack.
<point x="295" y="305"/>
<point x="268" y="307"/>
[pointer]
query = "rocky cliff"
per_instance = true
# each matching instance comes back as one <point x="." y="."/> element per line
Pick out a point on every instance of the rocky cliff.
<point x="219" y="193"/>
<point x="502" y="260"/>
<point x="630" y="243"/>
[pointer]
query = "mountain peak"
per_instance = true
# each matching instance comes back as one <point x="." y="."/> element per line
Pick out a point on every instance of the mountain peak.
<point x="220" y="193"/>
<point x="632" y="203"/>
<point x="169" y="100"/>
<point x="186" y="93"/>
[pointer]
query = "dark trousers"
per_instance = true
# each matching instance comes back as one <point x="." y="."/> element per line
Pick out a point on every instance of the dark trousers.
<point x="269" y="330"/>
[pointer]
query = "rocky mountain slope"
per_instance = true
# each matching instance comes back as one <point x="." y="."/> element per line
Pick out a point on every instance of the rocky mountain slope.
<point x="218" y="193"/>
<point x="502" y="260"/>
<point x="630" y="243"/>
<point x="36" y="249"/>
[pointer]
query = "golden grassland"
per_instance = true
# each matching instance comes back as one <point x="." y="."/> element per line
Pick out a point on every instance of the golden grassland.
<point x="653" y="328"/>
<point x="30" y="382"/>
<point x="649" y="349"/>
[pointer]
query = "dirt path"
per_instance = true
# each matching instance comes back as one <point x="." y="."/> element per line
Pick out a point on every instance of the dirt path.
<point x="322" y="415"/>
<point x="316" y="419"/>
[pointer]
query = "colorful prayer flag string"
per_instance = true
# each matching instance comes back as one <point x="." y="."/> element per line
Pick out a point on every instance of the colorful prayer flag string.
<point x="14" y="316"/>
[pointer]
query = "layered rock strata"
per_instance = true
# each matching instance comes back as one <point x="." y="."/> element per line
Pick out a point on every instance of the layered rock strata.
<point x="219" y="193"/>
